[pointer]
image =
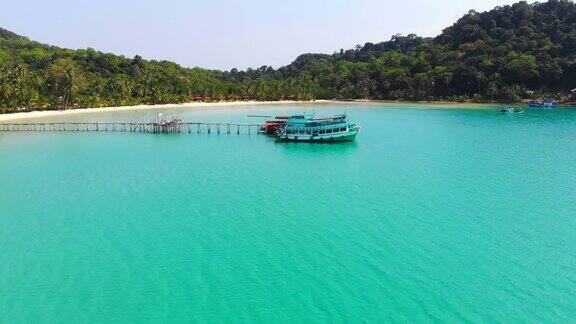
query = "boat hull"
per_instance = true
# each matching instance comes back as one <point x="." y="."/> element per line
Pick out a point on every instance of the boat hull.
<point x="343" y="137"/>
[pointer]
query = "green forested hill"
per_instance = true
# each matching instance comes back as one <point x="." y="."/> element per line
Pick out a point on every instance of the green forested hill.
<point x="490" y="56"/>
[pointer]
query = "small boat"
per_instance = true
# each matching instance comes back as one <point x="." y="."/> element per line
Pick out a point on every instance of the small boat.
<point x="510" y="111"/>
<point x="327" y="129"/>
<point x="273" y="126"/>
<point x="547" y="104"/>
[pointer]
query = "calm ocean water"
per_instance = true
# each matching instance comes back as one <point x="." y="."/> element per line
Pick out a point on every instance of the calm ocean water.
<point x="431" y="215"/>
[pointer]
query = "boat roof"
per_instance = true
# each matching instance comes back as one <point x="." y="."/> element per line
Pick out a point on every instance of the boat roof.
<point x="330" y="117"/>
<point x="313" y="119"/>
<point x="291" y="117"/>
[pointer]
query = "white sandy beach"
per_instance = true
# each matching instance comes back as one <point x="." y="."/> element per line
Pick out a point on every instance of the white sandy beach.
<point x="191" y="105"/>
<point x="230" y="105"/>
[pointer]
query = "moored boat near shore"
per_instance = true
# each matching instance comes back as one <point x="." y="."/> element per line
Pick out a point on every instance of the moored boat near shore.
<point x="273" y="126"/>
<point x="511" y="110"/>
<point x="327" y="129"/>
<point x="548" y="103"/>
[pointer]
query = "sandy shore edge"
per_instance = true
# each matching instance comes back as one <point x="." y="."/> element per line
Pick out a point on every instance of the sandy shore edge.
<point x="192" y="105"/>
<point x="226" y="105"/>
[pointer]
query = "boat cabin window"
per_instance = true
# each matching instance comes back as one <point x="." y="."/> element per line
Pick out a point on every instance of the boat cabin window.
<point x="328" y="131"/>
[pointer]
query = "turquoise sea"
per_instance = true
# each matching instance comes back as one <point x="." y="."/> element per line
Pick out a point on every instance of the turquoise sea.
<point x="432" y="215"/>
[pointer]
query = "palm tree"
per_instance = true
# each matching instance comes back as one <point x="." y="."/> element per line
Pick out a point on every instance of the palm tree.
<point x="66" y="80"/>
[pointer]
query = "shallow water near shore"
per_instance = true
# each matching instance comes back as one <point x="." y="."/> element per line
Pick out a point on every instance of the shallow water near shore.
<point x="431" y="214"/>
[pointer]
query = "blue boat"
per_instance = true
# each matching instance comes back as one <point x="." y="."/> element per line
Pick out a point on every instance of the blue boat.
<point x="547" y="104"/>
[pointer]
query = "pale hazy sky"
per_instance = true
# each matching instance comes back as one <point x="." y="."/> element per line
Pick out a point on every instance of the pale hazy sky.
<point x="225" y="34"/>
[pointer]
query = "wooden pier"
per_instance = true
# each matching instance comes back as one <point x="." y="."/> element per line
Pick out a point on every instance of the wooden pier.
<point x="167" y="127"/>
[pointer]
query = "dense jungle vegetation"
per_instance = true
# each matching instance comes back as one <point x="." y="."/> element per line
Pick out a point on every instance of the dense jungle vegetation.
<point x="498" y="55"/>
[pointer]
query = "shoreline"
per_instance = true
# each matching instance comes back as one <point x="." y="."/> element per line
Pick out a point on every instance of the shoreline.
<point x="193" y="105"/>
<point x="232" y="104"/>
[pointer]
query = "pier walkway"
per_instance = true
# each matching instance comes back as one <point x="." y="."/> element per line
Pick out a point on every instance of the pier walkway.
<point x="168" y="127"/>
